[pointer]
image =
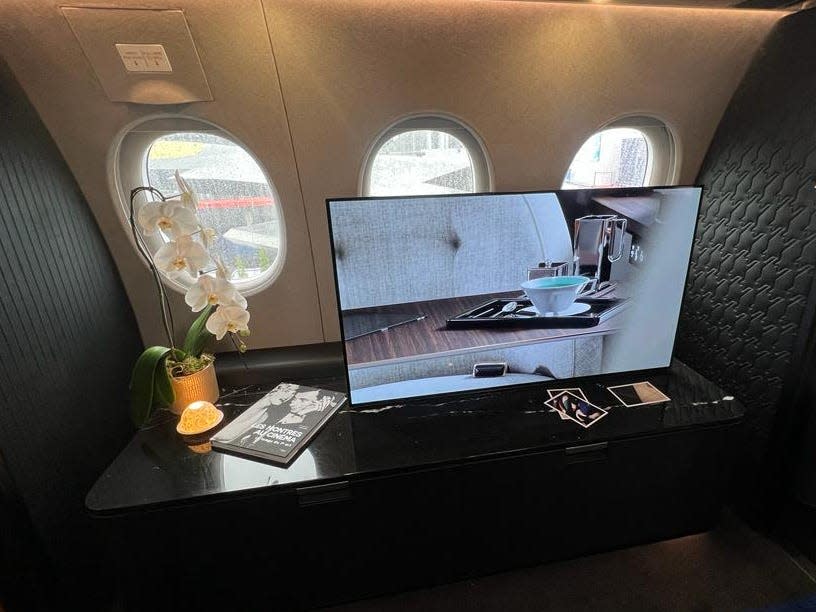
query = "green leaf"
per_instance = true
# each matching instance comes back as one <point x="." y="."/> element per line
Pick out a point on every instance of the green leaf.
<point x="198" y="335"/>
<point x="163" y="390"/>
<point x="142" y="392"/>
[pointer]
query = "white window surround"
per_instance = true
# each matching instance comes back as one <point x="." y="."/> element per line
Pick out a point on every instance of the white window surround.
<point x="127" y="168"/>
<point x="482" y="170"/>
<point x="663" y="167"/>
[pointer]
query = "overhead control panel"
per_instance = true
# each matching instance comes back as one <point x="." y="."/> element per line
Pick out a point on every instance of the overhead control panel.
<point x="142" y="56"/>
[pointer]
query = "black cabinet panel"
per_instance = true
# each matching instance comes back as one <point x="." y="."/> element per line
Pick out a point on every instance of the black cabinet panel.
<point x="406" y="530"/>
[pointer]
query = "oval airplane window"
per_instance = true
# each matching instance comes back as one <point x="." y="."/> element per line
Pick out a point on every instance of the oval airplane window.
<point x="616" y="157"/>
<point x="426" y="156"/>
<point x="234" y="197"/>
<point x="237" y="203"/>
<point x="632" y="152"/>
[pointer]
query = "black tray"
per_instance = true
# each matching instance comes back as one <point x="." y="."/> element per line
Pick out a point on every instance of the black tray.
<point x="482" y="316"/>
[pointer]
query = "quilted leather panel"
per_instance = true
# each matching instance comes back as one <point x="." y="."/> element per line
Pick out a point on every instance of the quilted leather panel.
<point x="748" y="300"/>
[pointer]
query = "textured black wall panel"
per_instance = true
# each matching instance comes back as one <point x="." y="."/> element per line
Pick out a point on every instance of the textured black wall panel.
<point x="748" y="307"/>
<point x="67" y="333"/>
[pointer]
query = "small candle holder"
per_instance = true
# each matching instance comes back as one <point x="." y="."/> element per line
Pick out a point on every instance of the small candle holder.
<point x="199" y="417"/>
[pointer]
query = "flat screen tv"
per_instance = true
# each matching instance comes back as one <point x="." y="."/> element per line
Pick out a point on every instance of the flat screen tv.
<point x="459" y="293"/>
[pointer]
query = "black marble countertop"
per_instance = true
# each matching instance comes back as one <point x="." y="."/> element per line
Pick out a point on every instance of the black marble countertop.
<point x="161" y="468"/>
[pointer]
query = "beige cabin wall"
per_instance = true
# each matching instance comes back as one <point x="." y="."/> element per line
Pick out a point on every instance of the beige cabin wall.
<point x="233" y="44"/>
<point x="533" y="79"/>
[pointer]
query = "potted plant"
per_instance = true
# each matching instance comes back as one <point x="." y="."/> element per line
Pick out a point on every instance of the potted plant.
<point x="174" y="376"/>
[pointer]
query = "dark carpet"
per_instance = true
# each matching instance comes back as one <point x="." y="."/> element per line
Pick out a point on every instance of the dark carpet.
<point x="729" y="568"/>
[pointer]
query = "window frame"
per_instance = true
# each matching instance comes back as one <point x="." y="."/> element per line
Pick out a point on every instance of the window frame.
<point x="474" y="145"/>
<point x="662" y="167"/>
<point x="128" y="166"/>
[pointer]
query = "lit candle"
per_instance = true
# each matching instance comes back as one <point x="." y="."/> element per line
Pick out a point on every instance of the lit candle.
<point x="198" y="417"/>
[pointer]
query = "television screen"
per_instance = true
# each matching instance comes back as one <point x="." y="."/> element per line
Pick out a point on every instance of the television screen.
<point x="456" y="293"/>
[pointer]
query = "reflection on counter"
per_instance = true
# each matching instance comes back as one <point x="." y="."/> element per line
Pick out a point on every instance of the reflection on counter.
<point x="239" y="473"/>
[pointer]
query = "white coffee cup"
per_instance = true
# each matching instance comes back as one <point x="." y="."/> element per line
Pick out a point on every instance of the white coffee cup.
<point x="555" y="293"/>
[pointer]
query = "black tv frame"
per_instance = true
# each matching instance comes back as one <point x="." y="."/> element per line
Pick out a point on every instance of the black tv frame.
<point x="543" y="385"/>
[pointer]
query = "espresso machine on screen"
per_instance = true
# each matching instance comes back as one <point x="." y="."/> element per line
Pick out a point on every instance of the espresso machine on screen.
<point x="597" y="237"/>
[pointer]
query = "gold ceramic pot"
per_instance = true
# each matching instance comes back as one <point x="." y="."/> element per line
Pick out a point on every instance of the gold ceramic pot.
<point x="202" y="385"/>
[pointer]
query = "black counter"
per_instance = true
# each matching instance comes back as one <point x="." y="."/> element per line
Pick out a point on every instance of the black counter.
<point x="160" y="468"/>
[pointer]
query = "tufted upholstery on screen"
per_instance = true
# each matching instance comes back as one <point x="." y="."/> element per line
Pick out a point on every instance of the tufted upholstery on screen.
<point x="749" y="303"/>
<point x="69" y="339"/>
<point x="386" y="253"/>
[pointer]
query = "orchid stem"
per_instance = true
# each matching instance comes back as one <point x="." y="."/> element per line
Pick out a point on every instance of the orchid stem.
<point x="240" y="352"/>
<point x="166" y="312"/>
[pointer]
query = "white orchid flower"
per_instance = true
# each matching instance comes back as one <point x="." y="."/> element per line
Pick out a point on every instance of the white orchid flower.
<point x="169" y="216"/>
<point x="208" y="236"/>
<point x="180" y="254"/>
<point x="213" y="291"/>
<point x="188" y="196"/>
<point x="220" y="269"/>
<point x="228" y="319"/>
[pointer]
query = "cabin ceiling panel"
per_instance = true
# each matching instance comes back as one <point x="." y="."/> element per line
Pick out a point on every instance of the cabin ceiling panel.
<point x="533" y="79"/>
<point x="234" y="49"/>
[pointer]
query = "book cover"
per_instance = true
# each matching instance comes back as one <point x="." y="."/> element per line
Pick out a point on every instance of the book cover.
<point x="279" y="425"/>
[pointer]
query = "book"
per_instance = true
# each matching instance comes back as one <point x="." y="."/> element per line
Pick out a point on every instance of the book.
<point x="279" y="425"/>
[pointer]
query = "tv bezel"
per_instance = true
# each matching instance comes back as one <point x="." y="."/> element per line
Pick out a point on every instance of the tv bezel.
<point x="545" y="384"/>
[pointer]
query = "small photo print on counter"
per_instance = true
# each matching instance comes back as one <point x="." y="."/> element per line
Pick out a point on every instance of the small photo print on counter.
<point x="638" y="394"/>
<point x="570" y="406"/>
<point x="575" y="390"/>
<point x="553" y="392"/>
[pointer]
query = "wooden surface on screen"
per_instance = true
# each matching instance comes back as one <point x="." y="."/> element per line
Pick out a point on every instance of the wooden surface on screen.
<point x="430" y="335"/>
